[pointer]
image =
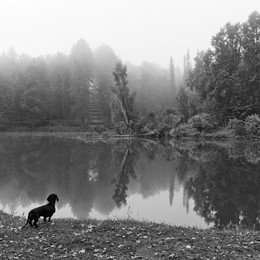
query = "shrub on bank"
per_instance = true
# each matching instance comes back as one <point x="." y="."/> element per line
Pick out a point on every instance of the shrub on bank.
<point x="252" y="125"/>
<point x="247" y="128"/>
<point x="202" y="122"/>
<point x="197" y="126"/>
<point x="200" y="125"/>
<point x="183" y="130"/>
<point x="168" y="122"/>
<point x="158" y="126"/>
<point x="147" y="124"/>
<point x="236" y="127"/>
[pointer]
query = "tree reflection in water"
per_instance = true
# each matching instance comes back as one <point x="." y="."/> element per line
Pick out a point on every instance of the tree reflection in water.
<point x="226" y="185"/>
<point x="223" y="179"/>
<point x="124" y="160"/>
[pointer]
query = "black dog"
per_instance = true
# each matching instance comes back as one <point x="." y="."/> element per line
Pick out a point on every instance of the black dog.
<point x="45" y="211"/>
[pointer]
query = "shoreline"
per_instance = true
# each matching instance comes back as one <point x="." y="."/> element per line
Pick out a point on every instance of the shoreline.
<point x="121" y="239"/>
<point x="85" y="133"/>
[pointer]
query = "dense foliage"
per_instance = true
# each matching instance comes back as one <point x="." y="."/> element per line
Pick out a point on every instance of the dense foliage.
<point x="228" y="74"/>
<point x="221" y="92"/>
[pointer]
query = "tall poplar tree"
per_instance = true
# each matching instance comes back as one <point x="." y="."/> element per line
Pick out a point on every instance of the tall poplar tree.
<point x="172" y="80"/>
<point x="186" y="67"/>
<point x="122" y="93"/>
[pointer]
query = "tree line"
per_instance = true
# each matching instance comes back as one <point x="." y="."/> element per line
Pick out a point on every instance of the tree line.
<point x="223" y="85"/>
<point x="35" y="91"/>
<point x="219" y="95"/>
<point x="57" y="89"/>
<point x="226" y="77"/>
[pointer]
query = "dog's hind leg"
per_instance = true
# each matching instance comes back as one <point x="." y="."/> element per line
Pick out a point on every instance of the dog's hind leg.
<point x="35" y="222"/>
<point x="30" y="221"/>
<point x="35" y="219"/>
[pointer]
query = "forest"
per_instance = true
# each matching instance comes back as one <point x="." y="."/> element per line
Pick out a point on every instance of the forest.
<point x="216" y="95"/>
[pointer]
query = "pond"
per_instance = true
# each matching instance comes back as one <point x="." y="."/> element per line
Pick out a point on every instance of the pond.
<point x="201" y="184"/>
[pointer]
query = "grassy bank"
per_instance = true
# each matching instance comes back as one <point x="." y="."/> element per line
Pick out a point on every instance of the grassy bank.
<point x="121" y="239"/>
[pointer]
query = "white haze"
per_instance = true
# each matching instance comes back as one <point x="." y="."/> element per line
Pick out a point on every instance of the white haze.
<point x="137" y="30"/>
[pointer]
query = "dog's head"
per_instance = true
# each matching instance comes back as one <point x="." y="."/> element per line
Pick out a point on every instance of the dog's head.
<point x="52" y="198"/>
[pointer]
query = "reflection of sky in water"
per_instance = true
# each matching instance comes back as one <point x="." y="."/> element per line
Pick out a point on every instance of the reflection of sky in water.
<point x="155" y="208"/>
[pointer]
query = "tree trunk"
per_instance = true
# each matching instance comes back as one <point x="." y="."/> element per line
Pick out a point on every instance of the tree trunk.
<point x="124" y="114"/>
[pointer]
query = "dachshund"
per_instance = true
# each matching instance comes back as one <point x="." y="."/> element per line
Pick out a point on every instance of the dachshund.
<point x="45" y="211"/>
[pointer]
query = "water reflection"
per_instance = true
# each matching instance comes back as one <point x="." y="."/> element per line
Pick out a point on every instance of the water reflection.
<point x="193" y="184"/>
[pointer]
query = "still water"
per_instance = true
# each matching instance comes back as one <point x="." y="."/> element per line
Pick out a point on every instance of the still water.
<point x="179" y="183"/>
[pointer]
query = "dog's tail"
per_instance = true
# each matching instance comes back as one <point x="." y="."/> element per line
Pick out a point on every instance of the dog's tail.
<point x="26" y="221"/>
<point x="25" y="224"/>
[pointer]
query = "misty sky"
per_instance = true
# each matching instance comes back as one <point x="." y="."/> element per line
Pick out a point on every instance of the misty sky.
<point x="137" y="30"/>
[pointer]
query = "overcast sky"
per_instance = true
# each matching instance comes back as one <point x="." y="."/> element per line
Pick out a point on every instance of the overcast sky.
<point x="137" y="30"/>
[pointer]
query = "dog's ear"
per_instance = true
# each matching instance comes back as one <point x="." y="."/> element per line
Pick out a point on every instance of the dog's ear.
<point x="57" y="198"/>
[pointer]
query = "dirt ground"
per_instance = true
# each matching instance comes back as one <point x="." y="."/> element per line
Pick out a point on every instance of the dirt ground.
<point x="121" y="239"/>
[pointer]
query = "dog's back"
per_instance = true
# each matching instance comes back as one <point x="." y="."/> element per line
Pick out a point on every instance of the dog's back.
<point x="44" y="211"/>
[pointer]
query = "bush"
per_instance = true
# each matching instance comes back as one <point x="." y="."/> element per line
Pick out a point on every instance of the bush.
<point x="160" y="127"/>
<point x="252" y="125"/>
<point x="183" y="130"/>
<point x="121" y="128"/>
<point x="145" y="125"/>
<point x="202" y="122"/>
<point x="236" y="127"/>
<point x="167" y="123"/>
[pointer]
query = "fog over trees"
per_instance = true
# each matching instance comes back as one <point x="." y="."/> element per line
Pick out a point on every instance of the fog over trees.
<point x="59" y="89"/>
<point x="36" y="90"/>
